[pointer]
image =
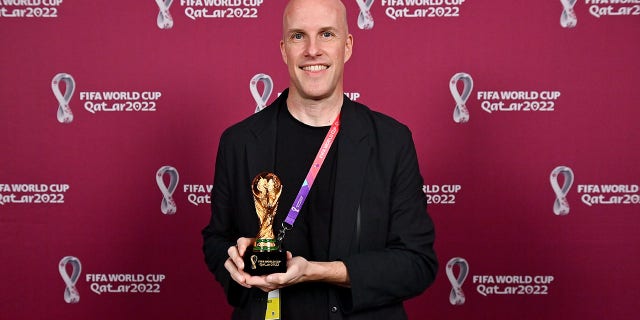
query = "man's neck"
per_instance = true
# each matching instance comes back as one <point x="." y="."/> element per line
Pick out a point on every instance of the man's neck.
<point x="315" y="113"/>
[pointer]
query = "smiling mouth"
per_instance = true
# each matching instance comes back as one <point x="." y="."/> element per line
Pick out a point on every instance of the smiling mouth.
<point x="315" y="67"/>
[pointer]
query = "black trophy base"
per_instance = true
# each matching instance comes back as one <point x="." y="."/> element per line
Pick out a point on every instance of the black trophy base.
<point x="266" y="262"/>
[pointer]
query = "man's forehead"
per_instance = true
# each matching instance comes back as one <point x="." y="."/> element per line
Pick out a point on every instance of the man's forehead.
<point x="316" y="4"/>
<point x="320" y="15"/>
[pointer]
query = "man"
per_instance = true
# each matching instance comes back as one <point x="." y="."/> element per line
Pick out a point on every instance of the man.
<point x="363" y="242"/>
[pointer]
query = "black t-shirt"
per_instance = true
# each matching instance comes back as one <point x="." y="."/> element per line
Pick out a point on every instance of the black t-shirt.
<point x="296" y="147"/>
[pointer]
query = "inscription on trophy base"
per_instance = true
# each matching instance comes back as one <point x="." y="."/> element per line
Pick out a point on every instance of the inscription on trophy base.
<point x="266" y="262"/>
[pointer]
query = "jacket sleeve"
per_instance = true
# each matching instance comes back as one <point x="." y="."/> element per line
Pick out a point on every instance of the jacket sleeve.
<point x="397" y="260"/>
<point x="221" y="233"/>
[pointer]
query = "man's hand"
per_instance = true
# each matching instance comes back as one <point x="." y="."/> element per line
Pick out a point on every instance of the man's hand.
<point x="235" y="264"/>
<point x="299" y="270"/>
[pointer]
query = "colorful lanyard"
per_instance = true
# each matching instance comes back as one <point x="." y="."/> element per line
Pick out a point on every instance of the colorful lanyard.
<point x="308" y="181"/>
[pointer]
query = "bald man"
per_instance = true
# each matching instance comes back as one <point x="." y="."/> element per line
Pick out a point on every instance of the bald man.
<point x="363" y="241"/>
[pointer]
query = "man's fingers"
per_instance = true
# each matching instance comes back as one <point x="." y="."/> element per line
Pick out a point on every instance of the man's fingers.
<point x="260" y="282"/>
<point x="242" y="244"/>
<point x="236" y="257"/>
<point x="235" y="263"/>
<point x="235" y="274"/>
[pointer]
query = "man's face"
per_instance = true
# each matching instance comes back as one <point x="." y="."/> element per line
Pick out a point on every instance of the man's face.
<point x="315" y="46"/>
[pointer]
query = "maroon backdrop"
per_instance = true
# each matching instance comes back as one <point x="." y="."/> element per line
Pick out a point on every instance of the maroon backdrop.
<point x="547" y="84"/>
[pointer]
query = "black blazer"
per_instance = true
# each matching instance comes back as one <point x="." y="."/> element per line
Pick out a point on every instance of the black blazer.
<point x="380" y="228"/>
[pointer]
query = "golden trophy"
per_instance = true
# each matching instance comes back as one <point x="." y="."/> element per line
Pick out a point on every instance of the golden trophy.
<point x="265" y="257"/>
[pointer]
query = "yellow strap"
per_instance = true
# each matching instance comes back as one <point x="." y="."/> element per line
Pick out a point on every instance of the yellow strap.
<point x="273" y="306"/>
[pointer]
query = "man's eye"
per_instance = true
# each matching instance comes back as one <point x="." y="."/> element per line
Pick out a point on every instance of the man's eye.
<point x="327" y="34"/>
<point x="296" y="36"/>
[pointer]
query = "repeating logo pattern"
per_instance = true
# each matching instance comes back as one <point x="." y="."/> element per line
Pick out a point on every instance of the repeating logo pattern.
<point x="599" y="192"/>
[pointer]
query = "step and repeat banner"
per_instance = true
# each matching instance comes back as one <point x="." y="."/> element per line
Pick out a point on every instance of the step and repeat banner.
<point x="524" y="114"/>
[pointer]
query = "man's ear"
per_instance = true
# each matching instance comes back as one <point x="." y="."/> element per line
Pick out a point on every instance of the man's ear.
<point x="348" y="48"/>
<point x="282" y="52"/>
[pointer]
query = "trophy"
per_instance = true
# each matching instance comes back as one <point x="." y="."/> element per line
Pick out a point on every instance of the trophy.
<point x="265" y="257"/>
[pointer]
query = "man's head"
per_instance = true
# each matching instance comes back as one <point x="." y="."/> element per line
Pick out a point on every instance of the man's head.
<point x="315" y="46"/>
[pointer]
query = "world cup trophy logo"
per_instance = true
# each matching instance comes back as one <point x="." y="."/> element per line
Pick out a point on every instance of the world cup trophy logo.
<point x="460" y="112"/>
<point x="71" y="294"/>
<point x="561" y="205"/>
<point x="168" y="205"/>
<point x="261" y="99"/>
<point x="456" y="297"/>
<point x="568" y="18"/>
<point x="164" y="20"/>
<point x="64" y="111"/>
<point x="365" y="19"/>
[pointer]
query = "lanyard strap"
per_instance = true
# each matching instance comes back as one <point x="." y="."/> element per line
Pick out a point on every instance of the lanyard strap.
<point x="308" y="181"/>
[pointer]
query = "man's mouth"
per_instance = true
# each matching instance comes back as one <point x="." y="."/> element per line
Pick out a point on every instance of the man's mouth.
<point x="315" y="67"/>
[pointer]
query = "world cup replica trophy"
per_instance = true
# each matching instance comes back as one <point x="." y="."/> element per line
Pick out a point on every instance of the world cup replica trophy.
<point x="265" y="257"/>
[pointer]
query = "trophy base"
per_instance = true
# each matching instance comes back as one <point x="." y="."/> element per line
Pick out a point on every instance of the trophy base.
<point x="258" y="263"/>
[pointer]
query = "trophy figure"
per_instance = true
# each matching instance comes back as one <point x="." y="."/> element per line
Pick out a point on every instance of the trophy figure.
<point x="265" y="257"/>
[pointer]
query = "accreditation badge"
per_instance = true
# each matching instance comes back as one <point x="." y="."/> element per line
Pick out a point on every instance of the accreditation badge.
<point x="273" y="306"/>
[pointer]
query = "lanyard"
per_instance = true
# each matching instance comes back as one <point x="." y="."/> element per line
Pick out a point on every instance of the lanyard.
<point x="308" y="181"/>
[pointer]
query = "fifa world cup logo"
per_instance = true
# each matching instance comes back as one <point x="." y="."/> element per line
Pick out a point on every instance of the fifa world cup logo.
<point x="365" y="19"/>
<point x="261" y="99"/>
<point x="64" y="111"/>
<point x="456" y="296"/>
<point x="561" y="205"/>
<point x="71" y="294"/>
<point x="460" y="112"/>
<point x="164" y="20"/>
<point x="168" y="205"/>
<point x="568" y="18"/>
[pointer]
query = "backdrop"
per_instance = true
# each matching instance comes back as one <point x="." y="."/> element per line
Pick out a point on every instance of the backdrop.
<point x="524" y="114"/>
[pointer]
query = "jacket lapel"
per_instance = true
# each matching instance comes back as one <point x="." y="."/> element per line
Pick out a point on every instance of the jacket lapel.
<point x="261" y="148"/>
<point x="354" y="150"/>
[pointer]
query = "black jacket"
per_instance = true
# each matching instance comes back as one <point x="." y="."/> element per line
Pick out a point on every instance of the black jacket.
<point x="380" y="228"/>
